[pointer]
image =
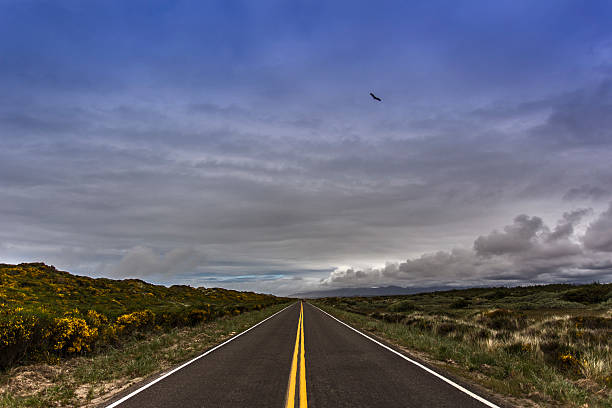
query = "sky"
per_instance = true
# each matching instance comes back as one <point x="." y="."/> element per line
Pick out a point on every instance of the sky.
<point x="235" y="144"/>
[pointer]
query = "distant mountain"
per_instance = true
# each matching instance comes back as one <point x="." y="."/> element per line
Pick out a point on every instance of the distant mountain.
<point x="376" y="291"/>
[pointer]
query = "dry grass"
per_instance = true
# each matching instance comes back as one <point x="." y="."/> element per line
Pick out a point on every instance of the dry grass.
<point x="551" y="356"/>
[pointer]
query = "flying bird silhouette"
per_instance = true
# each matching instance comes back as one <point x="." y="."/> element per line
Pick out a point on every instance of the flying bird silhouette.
<point x="375" y="97"/>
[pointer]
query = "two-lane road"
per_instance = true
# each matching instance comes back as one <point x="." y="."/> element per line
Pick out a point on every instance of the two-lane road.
<point x="306" y="358"/>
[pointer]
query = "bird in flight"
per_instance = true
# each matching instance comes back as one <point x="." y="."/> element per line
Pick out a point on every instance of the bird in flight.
<point x="375" y="97"/>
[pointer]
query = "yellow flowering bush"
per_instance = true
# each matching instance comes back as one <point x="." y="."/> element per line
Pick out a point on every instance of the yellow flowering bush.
<point x="131" y="322"/>
<point x="18" y="332"/>
<point x="96" y="319"/>
<point x="15" y="327"/>
<point x="196" y="316"/>
<point x="73" y="335"/>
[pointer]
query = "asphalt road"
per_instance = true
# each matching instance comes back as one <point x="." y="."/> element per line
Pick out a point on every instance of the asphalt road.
<point x="331" y="365"/>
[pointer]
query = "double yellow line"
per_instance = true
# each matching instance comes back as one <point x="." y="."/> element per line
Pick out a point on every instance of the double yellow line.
<point x="299" y="345"/>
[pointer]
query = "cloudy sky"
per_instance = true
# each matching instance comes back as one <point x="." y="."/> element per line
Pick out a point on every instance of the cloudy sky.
<point x="234" y="143"/>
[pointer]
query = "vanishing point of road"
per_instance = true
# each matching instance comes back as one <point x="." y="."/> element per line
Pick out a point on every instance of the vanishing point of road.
<point x="302" y="357"/>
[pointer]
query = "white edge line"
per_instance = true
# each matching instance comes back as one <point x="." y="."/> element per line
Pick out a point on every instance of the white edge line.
<point x="429" y="370"/>
<point x="144" y="387"/>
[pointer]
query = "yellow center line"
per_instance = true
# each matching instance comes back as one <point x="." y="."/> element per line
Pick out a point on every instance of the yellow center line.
<point x="303" y="398"/>
<point x="299" y="339"/>
<point x="291" y="388"/>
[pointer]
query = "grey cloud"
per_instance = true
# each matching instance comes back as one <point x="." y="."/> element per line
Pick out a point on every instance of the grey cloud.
<point x="453" y="265"/>
<point x="515" y="238"/>
<point x="581" y="118"/>
<point x="352" y="276"/>
<point x="598" y="236"/>
<point x="529" y="238"/>
<point x="262" y="154"/>
<point x="235" y="184"/>
<point x="241" y="278"/>
<point x="145" y="262"/>
<point x="586" y="192"/>
<point x="565" y="227"/>
<point x="442" y="266"/>
<point x="525" y="251"/>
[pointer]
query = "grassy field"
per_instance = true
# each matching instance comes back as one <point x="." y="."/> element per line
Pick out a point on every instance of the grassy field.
<point x="91" y="379"/>
<point x="47" y="315"/>
<point x="541" y="345"/>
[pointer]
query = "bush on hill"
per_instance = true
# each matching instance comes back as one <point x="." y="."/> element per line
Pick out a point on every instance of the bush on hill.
<point x="589" y="294"/>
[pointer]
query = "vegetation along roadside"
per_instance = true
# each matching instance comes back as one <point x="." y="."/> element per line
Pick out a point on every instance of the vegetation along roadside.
<point x="538" y="346"/>
<point x="69" y="340"/>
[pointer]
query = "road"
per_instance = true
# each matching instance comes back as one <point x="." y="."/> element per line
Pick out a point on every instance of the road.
<point x="302" y="357"/>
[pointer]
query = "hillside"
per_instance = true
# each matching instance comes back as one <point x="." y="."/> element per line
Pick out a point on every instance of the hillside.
<point x="46" y="312"/>
<point x="36" y="284"/>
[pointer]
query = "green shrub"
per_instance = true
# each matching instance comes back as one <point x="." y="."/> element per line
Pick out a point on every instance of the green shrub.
<point x="497" y="294"/>
<point x="419" y="322"/>
<point x="446" y="328"/>
<point x="590" y="294"/>
<point x="388" y="317"/>
<point x="460" y="304"/>
<point x="196" y="316"/>
<point x="503" y="319"/>
<point x="403" y="306"/>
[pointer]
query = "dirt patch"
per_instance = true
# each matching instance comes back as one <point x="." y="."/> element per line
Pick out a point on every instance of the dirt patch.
<point x="31" y="379"/>
<point x="82" y="392"/>
<point x="110" y="389"/>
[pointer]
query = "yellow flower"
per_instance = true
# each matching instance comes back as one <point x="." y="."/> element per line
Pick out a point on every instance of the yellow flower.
<point x="136" y="320"/>
<point x="73" y="335"/>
